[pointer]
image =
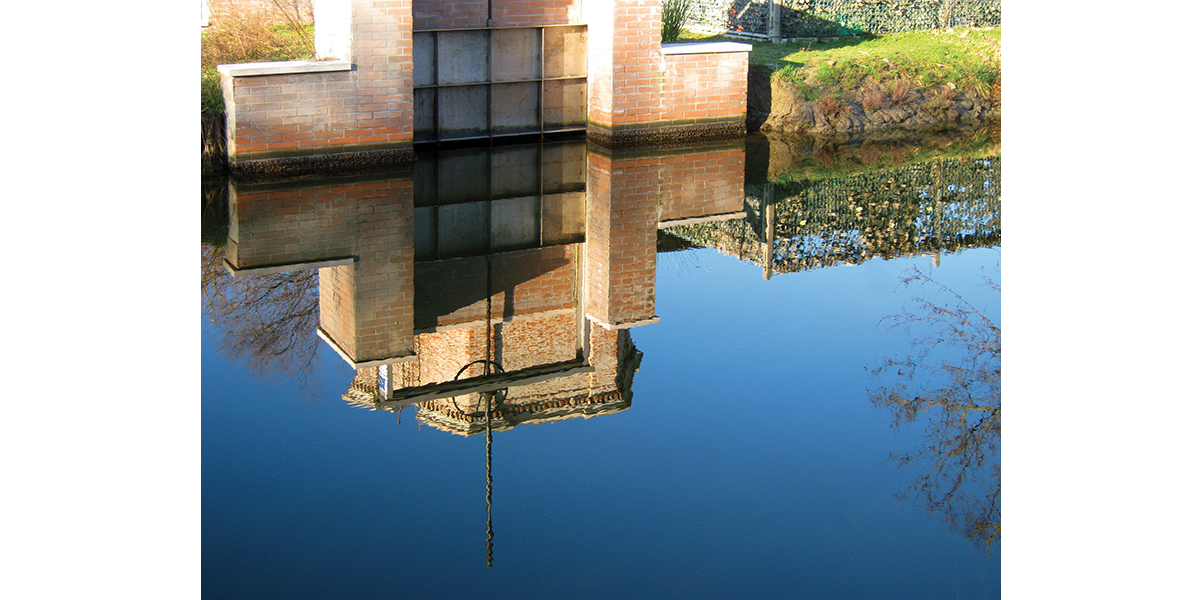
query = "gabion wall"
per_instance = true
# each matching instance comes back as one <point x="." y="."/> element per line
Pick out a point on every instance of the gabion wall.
<point x="819" y="18"/>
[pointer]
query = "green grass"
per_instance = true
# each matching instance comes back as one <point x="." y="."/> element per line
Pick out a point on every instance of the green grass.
<point x="967" y="58"/>
<point x="243" y="41"/>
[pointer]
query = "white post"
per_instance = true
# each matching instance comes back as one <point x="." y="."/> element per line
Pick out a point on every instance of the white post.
<point x="776" y="27"/>
<point x="385" y="382"/>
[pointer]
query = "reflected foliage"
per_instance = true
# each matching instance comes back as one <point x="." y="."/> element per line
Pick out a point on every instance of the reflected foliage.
<point x="938" y="207"/>
<point x="268" y="320"/>
<point x="951" y="383"/>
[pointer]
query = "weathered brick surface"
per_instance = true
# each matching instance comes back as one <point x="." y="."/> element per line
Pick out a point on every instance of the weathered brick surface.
<point x="622" y="235"/>
<point x="536" y="340"/>
<point x="701" y="183"/>
<point x="705" y="86"/>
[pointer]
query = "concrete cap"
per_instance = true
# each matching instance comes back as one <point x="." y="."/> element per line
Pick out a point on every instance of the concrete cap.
<point x="284" y="67"/>
<point x="705" y="47"/>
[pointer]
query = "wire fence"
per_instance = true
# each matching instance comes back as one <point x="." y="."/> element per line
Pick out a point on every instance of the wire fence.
<point x="832" y="18"/>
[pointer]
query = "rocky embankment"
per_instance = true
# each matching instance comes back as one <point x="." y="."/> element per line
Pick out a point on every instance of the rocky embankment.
<point x="777" y="105"/>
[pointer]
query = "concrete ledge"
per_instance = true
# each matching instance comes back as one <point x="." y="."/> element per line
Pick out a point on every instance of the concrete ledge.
<point x="705" y="219"/>
<point x="623" y="325"/>
<point x="284" y="67"/>
<point x="363" y="364"/>
<point x="269" y="269"/>
<point x="705" y="48"/>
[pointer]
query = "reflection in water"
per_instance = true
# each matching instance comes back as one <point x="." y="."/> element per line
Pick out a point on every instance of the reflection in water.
<point x="952" y="383"/>
<point x="267" y="320"/>
<point x="929" y="208"/>
<point x="487" y="288"/>
<point x="495" y="288"/>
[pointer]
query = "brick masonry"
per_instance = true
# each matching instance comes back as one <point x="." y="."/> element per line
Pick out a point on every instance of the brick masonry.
<point x="430" y="318"/>
<point x="629" y="193"/>
<point x="633" y="87"/>
<point x="367" y="306"/>
<point x="366" y="109"/>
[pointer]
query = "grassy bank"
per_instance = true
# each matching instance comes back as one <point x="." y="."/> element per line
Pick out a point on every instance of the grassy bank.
<point x="873" y="69"/>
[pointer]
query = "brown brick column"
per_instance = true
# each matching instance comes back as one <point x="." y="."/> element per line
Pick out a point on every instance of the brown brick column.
<point x="622" y="238"/>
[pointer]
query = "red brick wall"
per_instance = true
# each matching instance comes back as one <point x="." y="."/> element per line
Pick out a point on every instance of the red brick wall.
<point x="622" y="237"/>
<point x="365" y="307"/>
<point x="705" y="86"/>
<point x="524" y="281"/>
<point x="624" y="61"/>
<point x="628" y="195"/>
<point x="337" y="294"/>
<point x="526" y="342"/>
<point x="701" y="183"/>
<point x="298" y="113"/>
<point x="633" y="85"/>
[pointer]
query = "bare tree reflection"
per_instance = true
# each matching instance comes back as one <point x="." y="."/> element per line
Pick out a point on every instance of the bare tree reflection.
<point x="267" y="320"/>
<point x="952" y="382"/>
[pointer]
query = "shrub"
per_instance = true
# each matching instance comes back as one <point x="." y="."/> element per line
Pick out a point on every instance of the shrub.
<point x="241" y="39"/>
<point x="674" y="17"/>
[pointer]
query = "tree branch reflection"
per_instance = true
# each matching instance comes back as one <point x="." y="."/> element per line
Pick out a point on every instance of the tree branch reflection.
<point x="267" y="320"/>
<point x="952" y="383"/>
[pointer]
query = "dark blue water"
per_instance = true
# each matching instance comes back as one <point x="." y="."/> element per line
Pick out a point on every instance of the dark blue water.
<point x="750" y="462"/>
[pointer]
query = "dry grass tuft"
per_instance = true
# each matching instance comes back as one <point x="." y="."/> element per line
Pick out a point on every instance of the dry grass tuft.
<point x="830" y="106"/>
<point x="943" y="95"/>
<point x="899" y="89"/>
<point x="873" y="98"/>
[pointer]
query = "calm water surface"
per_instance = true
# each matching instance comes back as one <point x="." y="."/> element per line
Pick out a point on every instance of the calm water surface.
<point x="673" y="415"/>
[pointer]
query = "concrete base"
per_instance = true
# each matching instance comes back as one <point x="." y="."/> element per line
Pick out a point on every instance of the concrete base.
<point x="320" y="163"/>
<point x="665" y="133"/>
